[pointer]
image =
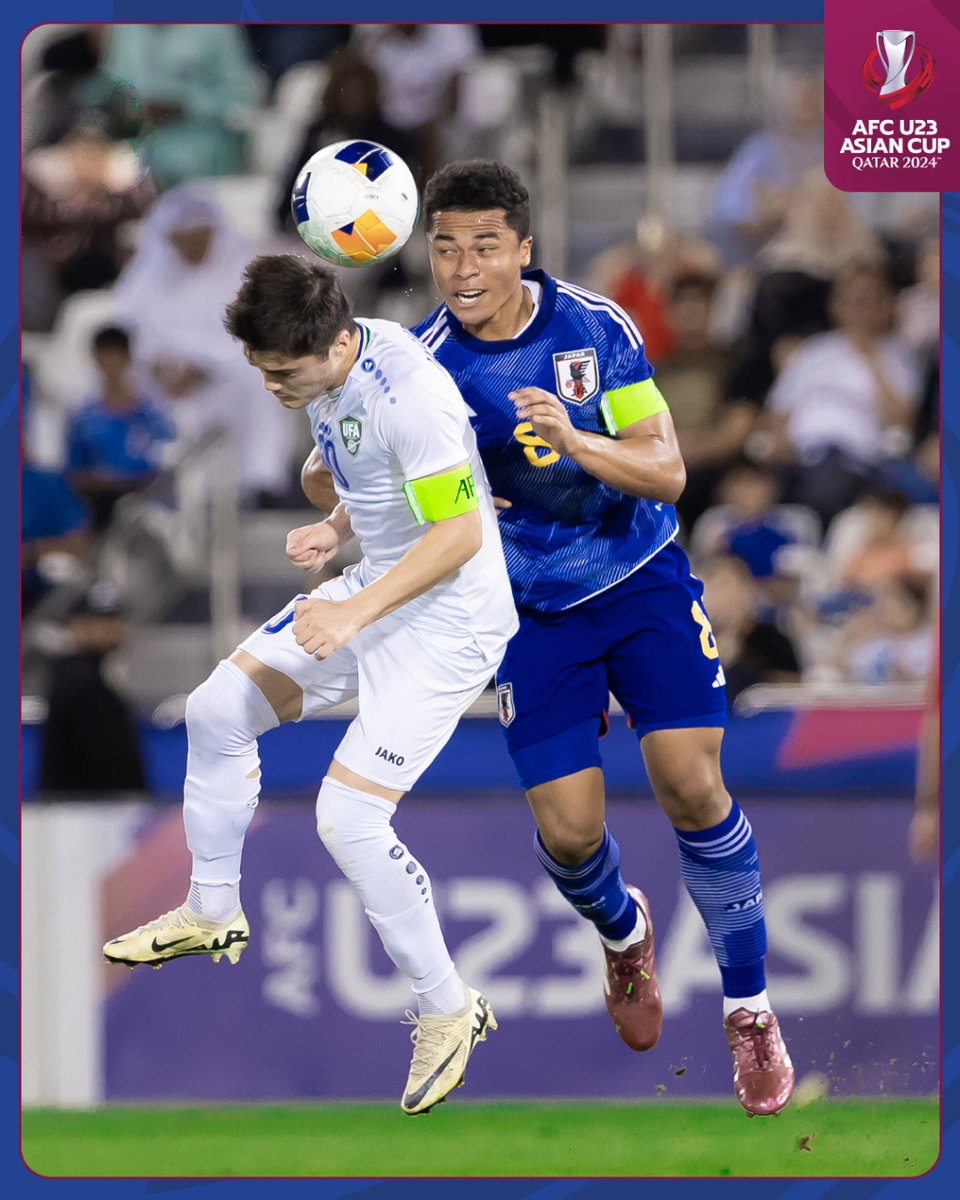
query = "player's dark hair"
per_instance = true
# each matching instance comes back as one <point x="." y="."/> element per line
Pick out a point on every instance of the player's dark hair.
<point x="288" y="305"/>
<point x="476" y="185"/>
<point x="111" y="337"/>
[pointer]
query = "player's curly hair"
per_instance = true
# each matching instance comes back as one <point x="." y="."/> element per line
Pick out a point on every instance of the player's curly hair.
<point x="288" y="305"/>
<point x="475" y="185"/>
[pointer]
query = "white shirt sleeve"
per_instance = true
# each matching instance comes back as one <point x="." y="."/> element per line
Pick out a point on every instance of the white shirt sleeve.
<point x="426" y="426"/>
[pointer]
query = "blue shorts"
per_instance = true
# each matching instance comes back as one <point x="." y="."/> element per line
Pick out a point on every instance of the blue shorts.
<point x="647" y="640"/>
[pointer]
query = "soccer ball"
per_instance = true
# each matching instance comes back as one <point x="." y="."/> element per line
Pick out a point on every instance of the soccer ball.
<point x="355" y="203"/>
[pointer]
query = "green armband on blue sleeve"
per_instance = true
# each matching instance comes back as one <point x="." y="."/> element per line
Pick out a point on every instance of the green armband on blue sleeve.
<point x="620" y="407"/>
<point x="437" y="497"/>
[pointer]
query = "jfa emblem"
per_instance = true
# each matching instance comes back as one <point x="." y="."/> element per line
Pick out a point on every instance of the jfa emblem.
<point x="351" y="430"/>
<point x="505" y="706"/>
<point x="578" y="377"/>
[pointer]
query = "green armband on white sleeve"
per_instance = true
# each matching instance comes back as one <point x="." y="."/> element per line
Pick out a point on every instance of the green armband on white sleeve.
<point x="437" y="497"/>
<point x="620" y="407"/>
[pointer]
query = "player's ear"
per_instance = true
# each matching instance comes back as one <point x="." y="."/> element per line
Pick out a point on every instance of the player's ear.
<point x="526" y="246"/>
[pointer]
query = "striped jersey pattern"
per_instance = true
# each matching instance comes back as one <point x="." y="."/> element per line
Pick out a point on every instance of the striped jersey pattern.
<point x="567" y="536"/>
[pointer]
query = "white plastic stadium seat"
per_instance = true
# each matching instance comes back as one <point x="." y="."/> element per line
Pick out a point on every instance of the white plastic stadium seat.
<point x="276" y="131"/>
<point x="247" y="201"/>
<point x="65" y="370"/>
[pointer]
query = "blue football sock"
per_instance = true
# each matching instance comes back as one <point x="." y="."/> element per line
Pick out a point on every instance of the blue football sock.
<point x="595" y="888"/>
<point x="721" y="871"/>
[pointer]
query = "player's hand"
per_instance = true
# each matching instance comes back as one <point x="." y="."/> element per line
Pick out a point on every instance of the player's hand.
<point x="501" y="505"/>
<point x="924" y="834"/>
<point x="322" y="626"/>
<point x="549" y="418"/>
<point x="310" y="547"/>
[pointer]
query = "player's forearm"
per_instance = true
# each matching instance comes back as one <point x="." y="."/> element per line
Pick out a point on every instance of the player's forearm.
<point x="317" y="483"/>
<point x="339" y="520"/>
<point x="649" y="467"/>
<point x="445" y="547"/>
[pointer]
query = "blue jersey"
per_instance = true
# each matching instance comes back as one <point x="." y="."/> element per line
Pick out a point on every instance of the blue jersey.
<point x="567" y="536"/>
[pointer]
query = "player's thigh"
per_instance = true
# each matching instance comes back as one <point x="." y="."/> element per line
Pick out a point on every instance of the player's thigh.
<point x="323" y="682"/>
<point x="552" y="696"/>
<point x="666" y="672"/>
<point x="413" y="688"/>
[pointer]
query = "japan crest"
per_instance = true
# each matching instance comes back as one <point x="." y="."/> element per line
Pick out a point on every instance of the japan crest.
<point x="578" y="376"/>
<point x="505" y="708"/>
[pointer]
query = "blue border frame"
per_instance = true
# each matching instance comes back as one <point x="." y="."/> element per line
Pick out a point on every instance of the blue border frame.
<point x="17" y="1176"/>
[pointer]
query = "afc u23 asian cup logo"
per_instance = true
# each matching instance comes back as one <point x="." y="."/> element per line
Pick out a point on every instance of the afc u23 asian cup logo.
<point x="885" y="69"/>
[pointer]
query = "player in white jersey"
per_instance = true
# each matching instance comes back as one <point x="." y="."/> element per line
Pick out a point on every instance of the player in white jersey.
<point x="414" y="631"/>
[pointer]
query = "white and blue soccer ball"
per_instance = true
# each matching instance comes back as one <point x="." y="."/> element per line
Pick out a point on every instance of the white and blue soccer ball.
<point x="355" y="203"/>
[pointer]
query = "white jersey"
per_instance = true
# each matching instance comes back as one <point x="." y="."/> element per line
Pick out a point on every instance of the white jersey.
<point x="399" y="417"/>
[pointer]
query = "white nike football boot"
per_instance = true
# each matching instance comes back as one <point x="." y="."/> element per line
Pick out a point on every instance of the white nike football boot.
<point x="178" y="934"/>
<point x="442" y="1046"/>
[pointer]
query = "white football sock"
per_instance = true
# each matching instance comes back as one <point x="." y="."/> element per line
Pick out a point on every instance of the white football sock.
<point x="394" y="887"/>
<point x="213" y="901"/>
<point x="225" y="716"/>
<point x="758" y="1003"/>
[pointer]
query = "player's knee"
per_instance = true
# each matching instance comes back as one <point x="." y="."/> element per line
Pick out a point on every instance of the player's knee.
<point x="225" y="714"/>
<point x="347" y="817"/>
<point x="570" y="842"/>
<point x="693" y="796"/>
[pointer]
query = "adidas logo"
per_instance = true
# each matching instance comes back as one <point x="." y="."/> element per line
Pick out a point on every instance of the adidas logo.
<point x="720" y="680"/>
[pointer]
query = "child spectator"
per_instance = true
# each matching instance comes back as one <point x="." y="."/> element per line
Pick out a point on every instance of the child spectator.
<point x="890" y="641"/>
<point x="751" y="650"/>
<point x="115" y="440"/>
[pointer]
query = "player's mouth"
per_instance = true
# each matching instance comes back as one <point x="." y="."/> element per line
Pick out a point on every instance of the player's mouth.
<point x="469" y="298"/>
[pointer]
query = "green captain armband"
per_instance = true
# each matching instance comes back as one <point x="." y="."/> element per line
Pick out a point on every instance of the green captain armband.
<point x="620" y="407"/>
<point x="437" y="497"/>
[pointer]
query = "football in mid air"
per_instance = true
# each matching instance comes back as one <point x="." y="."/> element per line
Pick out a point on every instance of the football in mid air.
<point x="355" y="203"/>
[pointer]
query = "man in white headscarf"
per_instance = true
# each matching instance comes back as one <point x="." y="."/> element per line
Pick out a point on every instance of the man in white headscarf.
<point x="187" y="267"/>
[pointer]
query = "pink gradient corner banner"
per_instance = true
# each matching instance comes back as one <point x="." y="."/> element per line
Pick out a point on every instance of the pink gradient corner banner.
<point x="892" y="95"/>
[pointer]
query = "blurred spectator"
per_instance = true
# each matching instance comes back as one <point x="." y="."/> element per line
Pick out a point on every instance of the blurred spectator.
<point x="349" y="108"/>
<point x="197" y="83"/>
<point x="918" y="306"/>
<point x="419" y="67"/>
<point x="890" y="640"/>
<point x="756" y="529"/>
<point x="751" y="650"/>
<point x="886" y="551"/>
<point x="844" y="399"/>
<point x="187" y="267"/>
<point x="89" y="741"/>
<point x="277" y="48"/>
<point x="53" y="521"/>
<point x="711" y="425"/>
<point x="75" y="197"/>
<point x="71" y="79"/>
<point x="115" y="439"/>
<point x="637" y="276"/>
<point x="821" y="234"/>
<point x="751" y="198"/>
<point x="565" y="41"/>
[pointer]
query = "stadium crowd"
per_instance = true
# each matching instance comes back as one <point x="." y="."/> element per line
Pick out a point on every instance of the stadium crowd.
<point x="794" y="334"/>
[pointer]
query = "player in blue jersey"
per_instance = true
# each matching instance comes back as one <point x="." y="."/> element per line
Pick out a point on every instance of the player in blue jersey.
<point x="580" y="448"/>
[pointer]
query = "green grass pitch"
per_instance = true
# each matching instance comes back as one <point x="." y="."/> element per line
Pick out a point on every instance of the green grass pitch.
<point x="825" y="1138"/>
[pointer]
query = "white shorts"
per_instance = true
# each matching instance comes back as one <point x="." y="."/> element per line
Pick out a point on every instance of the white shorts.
<point x="412" y="686"/>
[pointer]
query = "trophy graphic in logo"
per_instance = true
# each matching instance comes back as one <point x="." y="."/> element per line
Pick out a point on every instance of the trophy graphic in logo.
<point x="885" y="69"/>
<point x="895" y="47"/>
